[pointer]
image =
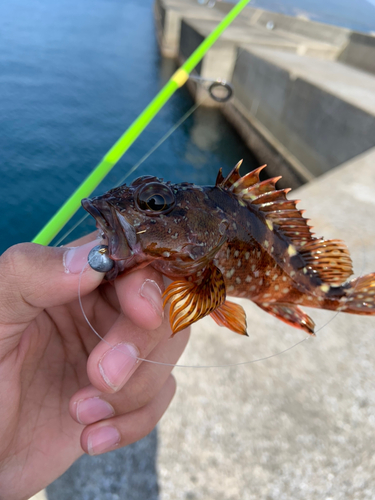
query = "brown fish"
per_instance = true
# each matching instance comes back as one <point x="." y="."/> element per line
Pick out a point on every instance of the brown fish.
<point x="240" y="238"/>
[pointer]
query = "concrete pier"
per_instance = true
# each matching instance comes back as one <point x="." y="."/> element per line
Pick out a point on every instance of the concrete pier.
<point x="304" y="96"/>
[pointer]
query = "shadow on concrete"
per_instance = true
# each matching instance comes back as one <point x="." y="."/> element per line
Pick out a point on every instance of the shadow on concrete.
<point x="126" y="473"/>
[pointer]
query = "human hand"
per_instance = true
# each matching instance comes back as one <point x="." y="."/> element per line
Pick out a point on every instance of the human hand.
<point x="62" y="390"/>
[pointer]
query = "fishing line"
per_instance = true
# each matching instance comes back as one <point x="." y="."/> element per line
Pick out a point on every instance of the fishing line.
<point x="177" y="80"/>
<point x="65" y="235"/>
<point x="172" y="364"/>
<point x="228" y="91"/>
<point x="143" y="159"/>
<point x="164" y="138"/>
<point x="211" y="86"/>
<point x="228" y="365"/>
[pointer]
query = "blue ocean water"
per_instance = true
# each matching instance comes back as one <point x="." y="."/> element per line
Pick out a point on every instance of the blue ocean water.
<point x="73" y="76"/>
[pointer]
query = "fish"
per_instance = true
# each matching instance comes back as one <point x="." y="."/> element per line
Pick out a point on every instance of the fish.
<point x="241" y="237"/>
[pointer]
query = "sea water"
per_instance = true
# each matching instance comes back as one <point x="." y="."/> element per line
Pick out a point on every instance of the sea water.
<point x="73" y="76"/>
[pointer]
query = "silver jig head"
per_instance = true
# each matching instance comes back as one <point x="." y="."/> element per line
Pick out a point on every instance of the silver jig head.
<point x="99" y="259"/>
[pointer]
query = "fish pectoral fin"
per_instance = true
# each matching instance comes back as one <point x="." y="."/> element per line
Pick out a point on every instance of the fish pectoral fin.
<point x="191" y="301"/>
<point x="291" y="315"/>
<point x="232" y="316"/>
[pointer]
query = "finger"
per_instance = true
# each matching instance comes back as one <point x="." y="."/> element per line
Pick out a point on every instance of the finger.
<point x="114" y="360"/>
<point x="134" y="334"/>
<point x="89" y="405"/>
<point x="121" y="431"/>
<point x="140" y="296"/>
<point x="34" y="277"/>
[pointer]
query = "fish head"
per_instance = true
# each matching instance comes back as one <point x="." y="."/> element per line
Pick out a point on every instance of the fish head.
<point x="176" y="227"/>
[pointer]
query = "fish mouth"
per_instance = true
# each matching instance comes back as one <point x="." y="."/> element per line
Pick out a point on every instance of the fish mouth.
<point x="121" y="235"/>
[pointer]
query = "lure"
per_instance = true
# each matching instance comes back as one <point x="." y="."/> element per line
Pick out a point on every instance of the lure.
<point x="241" y="237"/>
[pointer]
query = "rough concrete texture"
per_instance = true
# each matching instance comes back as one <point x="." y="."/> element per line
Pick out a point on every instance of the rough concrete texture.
<point x="355" y="49"/>
<point x="129" y="473"/>
<point x="300" y="425"/>
<point x="313" y="112"/>
<point x="301" y="35"/>
<point x="240" y="32"/>
<point x="322" y="112"/>
<point x="360" y="52"/>
<point x="333" y="35"/>
<point x="353" y="86"/>
<point x="168" y="16"/>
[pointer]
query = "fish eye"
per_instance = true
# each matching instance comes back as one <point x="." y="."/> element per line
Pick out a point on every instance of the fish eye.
<point x="155" y="197"/>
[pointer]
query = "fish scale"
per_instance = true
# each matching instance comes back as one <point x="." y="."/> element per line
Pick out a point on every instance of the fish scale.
<point x="241" y="237"/>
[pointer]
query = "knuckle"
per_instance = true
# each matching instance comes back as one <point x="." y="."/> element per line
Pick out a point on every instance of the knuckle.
<point x="15" y="262"/>
<point x="10" y="262"/>
<point x="10" y="276"/>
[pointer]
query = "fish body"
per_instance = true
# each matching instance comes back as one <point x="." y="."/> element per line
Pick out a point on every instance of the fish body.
<point x="241" y="238"/>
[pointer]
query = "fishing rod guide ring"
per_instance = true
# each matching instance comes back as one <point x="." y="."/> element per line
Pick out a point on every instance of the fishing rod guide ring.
<point x="224" y="87"/>
<point x="219" y="90"/>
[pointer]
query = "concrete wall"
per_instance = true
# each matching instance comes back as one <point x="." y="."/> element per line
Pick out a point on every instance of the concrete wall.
<point x="320" y="129"/>
<point x="333" y="35"/>
<point x="168" y="17"/>
<point x="354" y="49"/>
<point x="360" y="52"/>
<point x="296" y="107"/>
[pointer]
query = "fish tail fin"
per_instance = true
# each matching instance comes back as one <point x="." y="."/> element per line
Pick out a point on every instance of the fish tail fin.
<point x="359" y="296"/>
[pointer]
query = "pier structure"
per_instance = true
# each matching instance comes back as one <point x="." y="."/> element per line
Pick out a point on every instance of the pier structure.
<point x="304" y="92"/>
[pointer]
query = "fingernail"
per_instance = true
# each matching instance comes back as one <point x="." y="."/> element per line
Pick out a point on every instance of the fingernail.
<point x="150" y="291"/>
<point x="75" y="258"/>
<point x="102" y="439"/>
<point x="117" y="364"/>
<point x="92" y="410"/>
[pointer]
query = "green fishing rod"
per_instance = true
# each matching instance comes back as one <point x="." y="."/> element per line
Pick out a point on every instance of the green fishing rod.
<point x="64" y="214"/>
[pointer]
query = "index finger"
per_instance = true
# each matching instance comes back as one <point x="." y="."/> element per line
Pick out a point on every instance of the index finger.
<point x="134" y="335"/>
<point x="140" y="297"/>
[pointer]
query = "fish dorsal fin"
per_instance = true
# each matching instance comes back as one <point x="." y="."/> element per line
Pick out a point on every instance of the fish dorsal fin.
<point x="271" y="201"/>
<point x="230" y="179"/>
<point x="329" y="258"/>
<point x="190" y="301"/>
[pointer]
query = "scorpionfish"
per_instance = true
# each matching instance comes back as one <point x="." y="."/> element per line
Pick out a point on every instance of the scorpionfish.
<point x="241" y="237"/>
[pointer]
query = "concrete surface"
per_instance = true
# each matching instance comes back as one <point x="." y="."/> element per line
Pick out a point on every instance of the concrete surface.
<point x="297" y="426"/>
<point x="302" y="101"/>
<point x="355" y="49"/>
<point x="322" y="112"/>
<point x="126" y="474"/>
<point x="168" y="17"/>
<point x="360" y="52"/>
<point x="334" y="35"/>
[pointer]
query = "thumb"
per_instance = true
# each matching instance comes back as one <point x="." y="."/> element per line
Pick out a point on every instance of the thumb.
<point x="33" y="277"/>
